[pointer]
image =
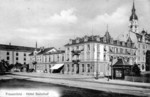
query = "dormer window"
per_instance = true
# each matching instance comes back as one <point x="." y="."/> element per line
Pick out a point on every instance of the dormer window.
<point x="118" y="42"/>
<point x="97" y="39"/>
<point x="111" y="41"/>
<point x="77" y="40"/>
<point x="85" y="39"/>
<point x="123" y="43"/>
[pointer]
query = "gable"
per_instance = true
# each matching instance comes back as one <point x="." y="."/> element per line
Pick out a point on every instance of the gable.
<point x="52" y="51"/>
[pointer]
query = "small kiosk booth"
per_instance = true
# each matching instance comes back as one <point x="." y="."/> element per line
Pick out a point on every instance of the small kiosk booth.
<point x="121" y="68"/>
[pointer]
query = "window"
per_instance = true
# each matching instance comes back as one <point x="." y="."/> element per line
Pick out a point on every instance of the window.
<point x="57" y="57"/>
<point x="24" y="59"/>
<point x="142" y="66"/>
<point x="88" y="67"/>
<point x="77" y="47"/>
<point x="7" y="53"/>
<point x="24" y="54"/>
<point x="17" y="54"/>
<point x="82" y="67"/>
<point x="62" y="58"/>
<point x="7" y="58"/>
<point x="49" y="59"/>
<point x="16" y="58"/>
<point x="116" y="50"/>
<point x="143" y="46"/>
<point x="104" y="57"/>
<point x="88" y="47"/>
<point x="24" y="62"/>
<point x="121" y="50"/>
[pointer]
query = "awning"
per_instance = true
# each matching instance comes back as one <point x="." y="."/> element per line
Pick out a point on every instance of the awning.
<point x="57" y="66"/>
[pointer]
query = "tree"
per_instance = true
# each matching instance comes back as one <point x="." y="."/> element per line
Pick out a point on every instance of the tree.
<point x="5" y="66"/>
<point x="148" y="60"/>
<point x="136" y="70"/>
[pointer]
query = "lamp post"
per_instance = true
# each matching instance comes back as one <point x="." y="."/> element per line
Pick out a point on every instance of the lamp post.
<point x="97" y="70"/>
<point x="35" y="61"/>
<point x="111" y="59"/>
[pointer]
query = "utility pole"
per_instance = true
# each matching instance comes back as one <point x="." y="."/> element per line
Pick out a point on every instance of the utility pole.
<point x="112" y="67"/>
<point x="35" y="56"/>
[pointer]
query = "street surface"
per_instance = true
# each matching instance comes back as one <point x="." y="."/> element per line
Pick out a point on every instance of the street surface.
<point x="86" y="82"/>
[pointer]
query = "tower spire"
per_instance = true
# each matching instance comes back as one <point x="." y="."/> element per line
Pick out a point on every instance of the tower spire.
<point x="133" y="20"/>
<point x="133" y="15"/>
<point x="133" y="8"/>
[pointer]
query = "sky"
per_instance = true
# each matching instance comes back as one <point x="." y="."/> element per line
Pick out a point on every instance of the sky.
<point x="53" y="22"/>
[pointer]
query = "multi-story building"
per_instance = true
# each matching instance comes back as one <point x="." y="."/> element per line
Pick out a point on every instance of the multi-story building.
<point x="46" y="59"/>
<point x="96" y="54"/>
<point x="92" y="54"/>
<point x="15" y="54"/>
<point x="92" y="50"/>
<point x="140" y="38"/>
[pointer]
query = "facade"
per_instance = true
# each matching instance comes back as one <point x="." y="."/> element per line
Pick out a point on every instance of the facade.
<point x="95" y="54"/>
<point x="46" y="58"/>
<point x="140" y="38"/>
<point x="98" y="55"/>
<point x="15" y="54"/>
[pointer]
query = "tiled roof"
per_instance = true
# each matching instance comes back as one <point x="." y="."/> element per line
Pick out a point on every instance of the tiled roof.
<point x="44" y="50"/>
<point x="16" y="48"/>
<point x="95" y="38"/>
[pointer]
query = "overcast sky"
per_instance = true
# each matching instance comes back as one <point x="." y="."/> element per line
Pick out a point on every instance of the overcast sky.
<point x="54" y="22"/>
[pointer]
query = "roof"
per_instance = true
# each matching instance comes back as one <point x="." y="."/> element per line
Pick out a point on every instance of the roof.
<point x="57" y="52"/>
<point x="98" y="39"/>
<point x="44" y="50"/>
<point x="133" y="15"/>
<point x="16" y="48"/>
<point x="121" y="62"/>
<point x="47" y="51"/>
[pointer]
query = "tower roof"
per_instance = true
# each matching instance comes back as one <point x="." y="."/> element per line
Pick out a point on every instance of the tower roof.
<point x="133" y="15"/>
<point x="107" y="35"/>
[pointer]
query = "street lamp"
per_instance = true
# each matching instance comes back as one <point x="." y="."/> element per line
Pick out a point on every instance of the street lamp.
<point x="111" y="60"/>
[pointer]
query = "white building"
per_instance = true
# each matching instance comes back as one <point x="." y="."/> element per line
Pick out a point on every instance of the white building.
<point x="46" y="58"/>
<point x="15" y="54"/>
<point x="93" y="54"/>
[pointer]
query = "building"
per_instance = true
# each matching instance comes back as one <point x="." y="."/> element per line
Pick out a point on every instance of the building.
<point x="140" y="38"/>
<point x="93" y="54"/>
<point x="46" y="59"/>
<point x="15" y="54"/>
<point x="98" y="55"/>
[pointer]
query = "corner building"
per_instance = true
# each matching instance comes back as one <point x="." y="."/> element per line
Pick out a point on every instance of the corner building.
<point x="95" y="53"/>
